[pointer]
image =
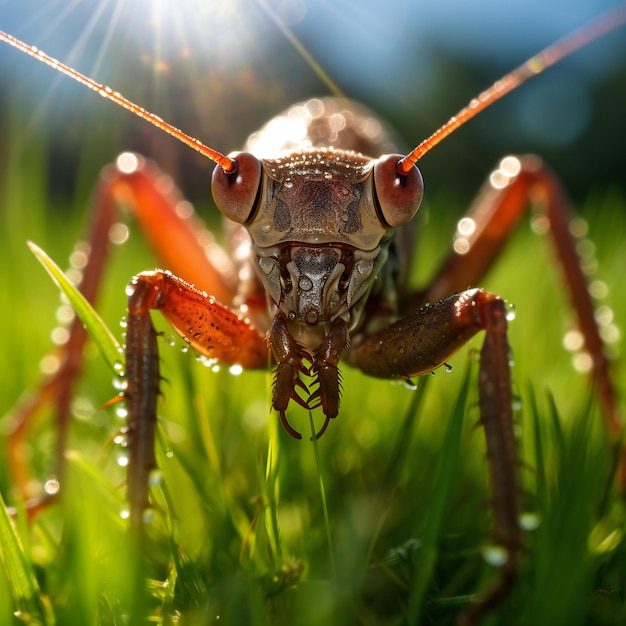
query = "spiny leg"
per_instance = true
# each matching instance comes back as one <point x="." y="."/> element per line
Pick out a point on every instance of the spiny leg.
<point x="478" y="243"/>
<point x="423" y="341"/>
<point x="210" y="328"/>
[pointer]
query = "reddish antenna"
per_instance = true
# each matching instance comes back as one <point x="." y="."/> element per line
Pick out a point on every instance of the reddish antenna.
<point x="535" y="65"/>
<point x="229" y="165"/>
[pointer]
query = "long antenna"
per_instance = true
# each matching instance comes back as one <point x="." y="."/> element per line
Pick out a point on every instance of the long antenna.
<point x="229" y="165"/>
<point x="535" y="65"/>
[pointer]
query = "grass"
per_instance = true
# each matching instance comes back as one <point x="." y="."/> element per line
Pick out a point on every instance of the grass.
<point x="385" y="520"/>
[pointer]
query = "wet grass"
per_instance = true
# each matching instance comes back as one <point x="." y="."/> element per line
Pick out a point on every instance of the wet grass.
<point x="385" y="520"/>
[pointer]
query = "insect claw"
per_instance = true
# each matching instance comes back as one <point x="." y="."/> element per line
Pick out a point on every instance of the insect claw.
<point x="322" y="430"/>
<point x="287" y="426"/>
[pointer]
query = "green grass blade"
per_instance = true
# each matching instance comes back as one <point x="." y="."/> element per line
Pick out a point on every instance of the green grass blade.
<point x="22" y="582"/>
<point x="318" y="465"/>
<point x="439" y="505"/>
<point x="97" y="329"/>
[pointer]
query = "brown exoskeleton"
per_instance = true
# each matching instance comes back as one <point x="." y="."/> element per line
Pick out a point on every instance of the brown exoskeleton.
<point x="315" y="276"/>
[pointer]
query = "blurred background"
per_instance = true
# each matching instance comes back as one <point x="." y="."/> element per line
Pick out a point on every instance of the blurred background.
<point x="218" y="70"/>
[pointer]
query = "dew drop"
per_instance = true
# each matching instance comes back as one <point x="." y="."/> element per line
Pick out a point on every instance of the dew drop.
<point x="598" y="289"/>
<point x="495" y="555"/>
<point x="529" y="521"/>
<point x="52" y="486"/>
<point x="155" y="478"/>
<point x="119" y="233"/>
<point x="510" y="311"/>
<point x="60" y="335"/>
<point x="121" y="412"/>
<point x="148" y="515"/>
<point x="124" y="513"/>
<point x="573" y="340"/>
<point x="582" y="362"/>
<point x="50" y="364"/>
<point x="235" y="370"/>
<point x="448" y="367"/>
<point x="120" y="383"/>
<point x="127" y="162"/>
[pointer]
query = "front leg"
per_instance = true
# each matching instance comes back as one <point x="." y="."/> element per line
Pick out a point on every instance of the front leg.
<point x="207" y="326"/>
<point x="423" y="341"/>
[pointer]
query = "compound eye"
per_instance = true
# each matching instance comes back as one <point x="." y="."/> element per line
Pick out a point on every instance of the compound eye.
<point x="235" y="193"/>
<point x="398" y="195"/>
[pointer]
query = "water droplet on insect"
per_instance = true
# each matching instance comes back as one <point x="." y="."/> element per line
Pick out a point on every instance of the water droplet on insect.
<point x="235" y="370"/>
<point x="169" y="340"/>
<point x="119" y="234"/>
<point x="610" y="333"/>
<point x="65" y="314"/>
<point x="288" y="183"/>
<point x="510" y="311"/>
<point x="52" y="486"/>
<point x="495" y="555"/>
<point x="582" y="362"/>
<point x="121" y="412"/>
<point x="120" y="383"/>
<point x="50" y="364"/>
<point x="598" y="289"/>
<point x="573" y="340"/>
<point x="578" y="227"/>
<point x="60" y="335"/>
<point x="540" y="224"/>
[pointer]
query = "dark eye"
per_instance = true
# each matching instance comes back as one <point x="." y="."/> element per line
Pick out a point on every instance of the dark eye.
<point x="235" y="193"/>
<point x="399" y="196"/>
